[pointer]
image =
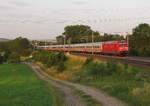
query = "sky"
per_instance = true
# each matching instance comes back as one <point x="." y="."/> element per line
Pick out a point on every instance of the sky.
<point x="46" y="19"/>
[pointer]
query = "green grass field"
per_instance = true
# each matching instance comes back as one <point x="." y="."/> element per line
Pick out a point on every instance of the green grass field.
<point x="19" y="86"/>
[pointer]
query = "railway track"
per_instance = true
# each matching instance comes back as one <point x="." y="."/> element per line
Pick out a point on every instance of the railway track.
<point x="142" y="62"/>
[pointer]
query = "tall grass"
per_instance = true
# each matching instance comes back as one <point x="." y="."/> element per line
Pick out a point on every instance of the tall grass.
<point x="120" y="80"/>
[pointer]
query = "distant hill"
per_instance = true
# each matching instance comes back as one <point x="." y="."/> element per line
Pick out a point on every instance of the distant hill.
<point x="3" y="39"/>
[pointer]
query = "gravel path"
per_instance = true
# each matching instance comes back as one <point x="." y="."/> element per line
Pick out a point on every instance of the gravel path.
<point x="100" y="96"/>
<point x="69" y="97"/>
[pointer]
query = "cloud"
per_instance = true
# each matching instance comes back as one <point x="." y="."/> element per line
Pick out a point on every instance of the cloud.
<point x="3" y="7"/>
<point x="61" y="22"/>
<point x="80" y="2"/>
<point x="20" y="3"/>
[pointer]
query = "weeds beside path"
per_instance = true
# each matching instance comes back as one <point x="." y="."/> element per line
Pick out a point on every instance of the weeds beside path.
<point x="70" y="97"/>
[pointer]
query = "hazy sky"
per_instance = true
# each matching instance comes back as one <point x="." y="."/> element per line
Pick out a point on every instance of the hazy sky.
<point x="46" y="19"/>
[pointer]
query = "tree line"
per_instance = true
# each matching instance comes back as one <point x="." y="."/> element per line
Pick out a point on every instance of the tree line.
<point x="139" y="40"/>
<point x="10" y="51"/>
<point x="83" y="34"/>
<point x="50" y="59"/>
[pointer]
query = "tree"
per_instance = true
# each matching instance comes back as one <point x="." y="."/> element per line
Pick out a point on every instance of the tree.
<point x="83" y="34"/>
<point x="140" y="40"/>
<point x="20" y="45"/>
<point x="76" y="33"/>
<point x="60" y="39"/>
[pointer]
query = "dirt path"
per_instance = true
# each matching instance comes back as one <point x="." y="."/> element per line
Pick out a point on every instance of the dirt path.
<point x="69" y="97"/>
<point x="93" y="92"/>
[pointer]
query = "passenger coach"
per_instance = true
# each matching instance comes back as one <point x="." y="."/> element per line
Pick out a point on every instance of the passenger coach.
<point x="109" y="47"/>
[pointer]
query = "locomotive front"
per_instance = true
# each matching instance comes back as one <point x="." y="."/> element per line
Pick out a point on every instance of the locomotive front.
<point x="123" y="48"/>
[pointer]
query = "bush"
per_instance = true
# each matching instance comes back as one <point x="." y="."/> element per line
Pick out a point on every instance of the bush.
<point x="112" y="67"/>
<point x="60" y="67"/>
<point x="61" y="56"/>
<point x="88" y="61"/>
<point x="14" y="58"/>
<point x="142" y="76"/>
<point x="1" y="59"/>
<point x="98" y="70"/>
<point x="143" y="93"/>
<point x="126" y="66"/>
<point x="50" y="59"/>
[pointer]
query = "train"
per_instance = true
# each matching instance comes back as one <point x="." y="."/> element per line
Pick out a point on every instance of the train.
<point x="108" y="48"/>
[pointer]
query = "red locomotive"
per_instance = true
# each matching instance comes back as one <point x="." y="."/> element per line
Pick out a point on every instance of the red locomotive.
<point x="108" y="47"/>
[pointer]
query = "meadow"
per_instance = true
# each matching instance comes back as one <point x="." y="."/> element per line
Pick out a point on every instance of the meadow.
<point x="128" y="83"/>
<point x="19" y="86"/>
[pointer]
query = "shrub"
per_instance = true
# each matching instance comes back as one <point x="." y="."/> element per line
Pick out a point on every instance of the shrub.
<point x="1" y="59"/>
<point x="111" y="67"/>
<point x="14" y="57"/>
<point x="60" y="67"/>
<point x="61" y="56"/>
<point x="126" y="66"/>
<point x="139" y="76"/>
<point x="142" y="93"/>
<point x="93" y="70"/>
<point x="135" y="70"/>
<point x="142" y="76"/>
<point x="88" y="61"/>
<point x="49" y="58"/>
<point x="96" y="70"/>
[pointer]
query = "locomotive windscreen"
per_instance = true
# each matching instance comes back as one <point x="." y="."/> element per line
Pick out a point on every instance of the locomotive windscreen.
<point x="123" y="44"/>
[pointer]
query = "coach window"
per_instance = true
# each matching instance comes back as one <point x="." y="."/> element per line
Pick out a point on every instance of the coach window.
<point x="89" y="46"/>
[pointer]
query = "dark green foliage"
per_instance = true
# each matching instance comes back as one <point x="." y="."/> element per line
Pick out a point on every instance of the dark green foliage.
<point x="77" y="33"/>
<point x="61" y="56"/>
<point x="6" y="56"/>
<point x="88" y="61"/>
<point x="51" y="59"/>
<point x="60" y="67"/>
<point x="98" y="70"/>
<point x="126" y="66"/>
<point x="83" y="34"/>
<point x="14" y="58"/>
<point x="140" y="40"/>
<point x="21" y="46"/>
<point x="111" y="37"/>
<point x="112" y="67"/>
<point x="1" y="59"/>
<point x="60" y="39"/>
